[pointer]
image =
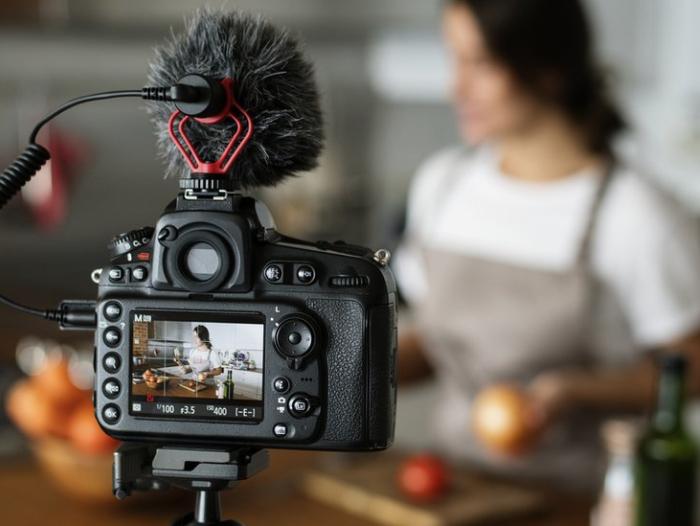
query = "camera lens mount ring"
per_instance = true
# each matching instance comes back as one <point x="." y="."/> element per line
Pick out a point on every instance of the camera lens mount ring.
<point x="179" y="254"/>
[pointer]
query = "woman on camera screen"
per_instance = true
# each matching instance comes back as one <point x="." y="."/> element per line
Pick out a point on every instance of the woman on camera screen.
<point x="536" y="258"/>
<point x="203" y="361"/>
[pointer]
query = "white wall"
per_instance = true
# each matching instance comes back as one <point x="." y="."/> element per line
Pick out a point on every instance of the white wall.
<point x="223" y="336"/>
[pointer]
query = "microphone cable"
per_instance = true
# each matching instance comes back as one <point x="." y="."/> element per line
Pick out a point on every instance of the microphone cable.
<point x="71" y="314"/>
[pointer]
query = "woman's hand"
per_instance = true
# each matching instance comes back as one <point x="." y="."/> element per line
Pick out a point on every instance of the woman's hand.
<point x="630" y="388"/>
<point x="201" y="377"/>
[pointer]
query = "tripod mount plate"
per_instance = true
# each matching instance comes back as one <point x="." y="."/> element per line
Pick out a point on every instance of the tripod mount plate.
<point x="206" y="471"/>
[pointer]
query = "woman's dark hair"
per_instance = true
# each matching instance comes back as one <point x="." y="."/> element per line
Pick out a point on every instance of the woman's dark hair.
<point x="203" y="334"/>
<point x="547" y="45"/>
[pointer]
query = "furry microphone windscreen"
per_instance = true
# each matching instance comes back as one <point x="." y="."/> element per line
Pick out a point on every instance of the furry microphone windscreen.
<point x="272" y="81"/>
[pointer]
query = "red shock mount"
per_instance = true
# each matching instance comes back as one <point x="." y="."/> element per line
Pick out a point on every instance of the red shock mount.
<point x="242" y="134"/>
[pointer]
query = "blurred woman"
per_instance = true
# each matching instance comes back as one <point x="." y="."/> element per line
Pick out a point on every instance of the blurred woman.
<point x="537" y="258"/>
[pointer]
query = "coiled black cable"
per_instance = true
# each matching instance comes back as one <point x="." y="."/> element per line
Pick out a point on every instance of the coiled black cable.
<point x="22" y="169"/>
<point x="35" y="156"/>
<point x="30" y="161"/>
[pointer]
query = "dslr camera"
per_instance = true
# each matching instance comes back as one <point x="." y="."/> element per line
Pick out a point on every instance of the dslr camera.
<point x="212" y="328"/>
<point x="215" y="328"/>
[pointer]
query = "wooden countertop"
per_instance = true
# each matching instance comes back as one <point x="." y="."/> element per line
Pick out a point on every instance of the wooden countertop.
<point x="29" y="498"/>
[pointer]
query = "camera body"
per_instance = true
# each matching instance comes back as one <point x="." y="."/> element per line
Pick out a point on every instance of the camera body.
<point x="213" y="328"/>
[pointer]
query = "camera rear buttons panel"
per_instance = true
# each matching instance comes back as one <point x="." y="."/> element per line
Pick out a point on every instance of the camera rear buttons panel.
<point x="289" y="273"/>
<point x="296" y="273"/>
<point x="111" y="362"/>
<point x="294" y="338"/>
<point x="295" y="403"/>
<point x="298" y="405"/>
<point x="127" y="274"/>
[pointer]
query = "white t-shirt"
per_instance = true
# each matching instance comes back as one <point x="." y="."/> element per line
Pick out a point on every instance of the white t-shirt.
<point x="645" y="249"/>
<point x="203" y="359"/>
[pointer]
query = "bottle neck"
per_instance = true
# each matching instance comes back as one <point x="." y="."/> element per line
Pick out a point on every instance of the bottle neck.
<point x="668" y="417"/>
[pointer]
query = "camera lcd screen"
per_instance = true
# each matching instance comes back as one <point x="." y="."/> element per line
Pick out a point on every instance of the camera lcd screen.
<point x="197" y="367"/>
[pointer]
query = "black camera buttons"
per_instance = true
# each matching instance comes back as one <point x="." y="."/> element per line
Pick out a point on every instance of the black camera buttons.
<point x="280" y="430"/>
<point x="281" y="384"/>
<point x="111" y="388"/>
<point x="294" y="338"/>
<point x="300" y="405"/>
<point x="139" y="273"/>
<point x="273" y="273"/>
<point x="111" y="362"/>
<point x="116" y="274"/>
<point x="112" y="311"/>
<point x="167" y="233"/>
<point x="112" y="336"/>
<point x="110" y="414"/>
<point x="305" y="274"/>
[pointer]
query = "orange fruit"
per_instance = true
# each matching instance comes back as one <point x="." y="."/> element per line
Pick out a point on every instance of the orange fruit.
<point x="33" y="412"/>
<point x="54" y="381"/>
<point x="86" y="434"/>
<point x="502" y="419"/>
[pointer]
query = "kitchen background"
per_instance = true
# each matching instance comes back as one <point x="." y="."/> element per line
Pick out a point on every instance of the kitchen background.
<point x="382" y="75"/>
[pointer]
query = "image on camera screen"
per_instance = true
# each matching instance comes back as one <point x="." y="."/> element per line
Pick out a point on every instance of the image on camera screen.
<point x="206" y="368"/>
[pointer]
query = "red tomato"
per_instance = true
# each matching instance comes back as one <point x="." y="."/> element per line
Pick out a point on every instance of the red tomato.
<point x="423" y="478"/>
<point x="86" y="434"/>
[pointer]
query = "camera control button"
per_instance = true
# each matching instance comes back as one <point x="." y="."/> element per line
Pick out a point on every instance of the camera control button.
<point x="273" y="273"/>
<point x="281" y="384"/>
<point x="306" y="274"/>
<point x="294" y="337"/>
<point x="280" y="430"/>
<point x="299" y="405"/>
<point x="111" y="362"/>
<point x="116" y="274"/>
<point x="112" y="311"/>
<point x="167" y="233"/>
<point x="139" y="273"/>
<point x="112" y="336"/>
<point x="349" y="281"/>
<point x="111" y="388"/>
<point x="110" y="414"/>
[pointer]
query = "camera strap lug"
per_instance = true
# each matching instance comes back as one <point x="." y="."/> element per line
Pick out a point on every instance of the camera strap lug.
<point x="382" y="256"/>
<point x="95" y="276"/>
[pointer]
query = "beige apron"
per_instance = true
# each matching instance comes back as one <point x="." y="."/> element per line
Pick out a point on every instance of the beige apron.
<point x="487" y="321"/>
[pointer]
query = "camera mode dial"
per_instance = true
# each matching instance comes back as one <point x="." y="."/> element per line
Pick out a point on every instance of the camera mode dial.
<point x="125" y="243"/>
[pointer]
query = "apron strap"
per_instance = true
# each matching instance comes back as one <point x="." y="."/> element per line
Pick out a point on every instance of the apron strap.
<point x="592" y="221"/>
<point x="448" y="181"/>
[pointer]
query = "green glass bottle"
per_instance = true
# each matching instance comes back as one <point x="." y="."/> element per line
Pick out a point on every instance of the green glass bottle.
<point x="666" y="456"/>
<point x="229" y="387"/>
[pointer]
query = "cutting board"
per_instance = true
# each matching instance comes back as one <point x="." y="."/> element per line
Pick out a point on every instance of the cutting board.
<point x="197" y="387"/>
<point x="368" y="489"/>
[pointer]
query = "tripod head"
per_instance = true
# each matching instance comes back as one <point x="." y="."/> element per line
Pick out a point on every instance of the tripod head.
<point x="206" y="471"/>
